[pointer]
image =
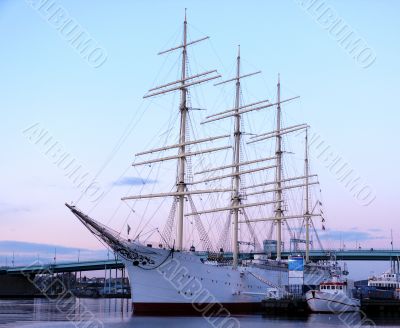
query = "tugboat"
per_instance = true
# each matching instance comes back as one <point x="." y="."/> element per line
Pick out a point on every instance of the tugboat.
<point x="387" y="281"/>
<point x="383" y="287"/>
<point x="332" y="297"/>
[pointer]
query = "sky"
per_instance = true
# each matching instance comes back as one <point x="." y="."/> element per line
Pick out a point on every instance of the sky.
<point x="95" y="112"/>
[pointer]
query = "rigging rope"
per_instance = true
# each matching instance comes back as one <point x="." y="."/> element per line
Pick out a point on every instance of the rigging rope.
<point x="205" y="240"/>
<point x="167" y="232"/>
<point x="222" y="242"/>
<point x="257" y="245"/>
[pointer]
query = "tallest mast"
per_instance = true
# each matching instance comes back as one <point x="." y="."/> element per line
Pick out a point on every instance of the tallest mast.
<point x="182" y="85"/>
<point x="182" y="139"/>
<point x="278" y="175"/>
<point x="236" y="162"/>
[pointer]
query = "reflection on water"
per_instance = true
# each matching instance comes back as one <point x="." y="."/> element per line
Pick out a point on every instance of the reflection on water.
<point x="91" y="313"/>
<point x="71" y="309"/>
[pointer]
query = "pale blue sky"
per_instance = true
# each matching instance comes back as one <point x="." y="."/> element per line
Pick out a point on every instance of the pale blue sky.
<point x="43" y="80"/>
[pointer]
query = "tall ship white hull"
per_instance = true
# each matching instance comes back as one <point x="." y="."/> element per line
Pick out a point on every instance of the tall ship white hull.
<point x="166" y="281"/>
<point x="184" y="283"/>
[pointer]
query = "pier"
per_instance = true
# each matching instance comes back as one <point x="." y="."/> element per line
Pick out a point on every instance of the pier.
<point x="295" y="306"/>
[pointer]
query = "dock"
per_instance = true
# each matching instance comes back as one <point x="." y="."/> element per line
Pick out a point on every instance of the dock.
<point x="285" y="306"/>
<point x="375" y="306"/>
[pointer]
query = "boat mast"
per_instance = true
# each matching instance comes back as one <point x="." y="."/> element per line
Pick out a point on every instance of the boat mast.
<point x="278" y="175"/>
<point x="236" y="112"/>
<point x="181" y="186"/>
<point x="236" y="161"/>
<point x="307" y="200"/>
<point x="182" y="85"/>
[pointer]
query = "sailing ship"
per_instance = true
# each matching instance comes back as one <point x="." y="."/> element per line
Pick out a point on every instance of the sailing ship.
<point x="173" y="277"/>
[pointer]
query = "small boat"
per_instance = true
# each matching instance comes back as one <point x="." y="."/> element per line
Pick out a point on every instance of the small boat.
<point x="332" y="297"/>
<point x="383" y="287"/>
<point x="387" y="281"/>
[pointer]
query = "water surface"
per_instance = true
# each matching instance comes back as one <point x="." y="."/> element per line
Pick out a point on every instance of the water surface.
<point x="116" y="313"/>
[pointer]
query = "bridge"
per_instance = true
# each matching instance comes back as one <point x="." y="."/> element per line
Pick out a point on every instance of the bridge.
<point x="315" y="255"/>
<point x="350" y="254"/>
<point x="40" y="268"/>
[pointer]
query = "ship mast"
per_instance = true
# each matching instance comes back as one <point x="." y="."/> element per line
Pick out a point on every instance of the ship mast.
<point x="278" y="174"/>
<point x="236" y="205"/>
<point x="307" y="200"/>
<point x="236" y="199"/>
<point x="182" y="85"/>
<point x="182" y="139"/>
<point x="279" y="183"/>
<point x="236" y="112"/>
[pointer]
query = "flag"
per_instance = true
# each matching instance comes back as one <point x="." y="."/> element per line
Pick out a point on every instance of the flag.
<point x="128" y="228"/>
